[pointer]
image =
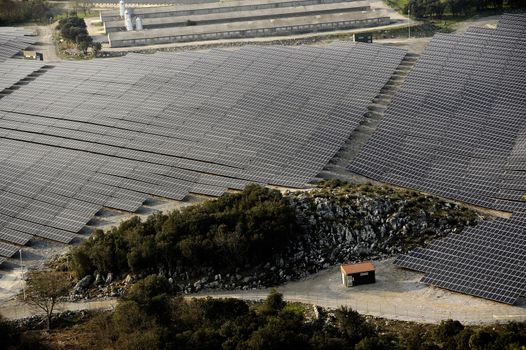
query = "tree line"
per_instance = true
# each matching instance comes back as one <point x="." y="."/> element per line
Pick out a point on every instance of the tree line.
<point x="437" y="8"/>
<point x="149" y="318"/>
<point x="13" y="11"/>
<point x="224" y="234"/>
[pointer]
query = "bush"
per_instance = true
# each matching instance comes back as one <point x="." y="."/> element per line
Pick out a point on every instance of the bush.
<point x="352" y="326"/>
<point x="371" y="343"/>
<point x="447" y="330"/>
<point x="73" y="29"/>
<point x="12" y="11"/>
<point x="217" y="311"/>
<point x="273" y="304"/>
<point x="482" y="339"/>
<point x="230" y="232"/>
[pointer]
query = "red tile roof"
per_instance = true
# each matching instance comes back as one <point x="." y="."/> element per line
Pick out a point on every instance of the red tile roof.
<point x="349" y="269"/>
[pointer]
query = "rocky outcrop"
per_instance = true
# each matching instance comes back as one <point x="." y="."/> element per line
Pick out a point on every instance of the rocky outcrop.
<point x="345" y="224"/>
<point x="82" y="285"/>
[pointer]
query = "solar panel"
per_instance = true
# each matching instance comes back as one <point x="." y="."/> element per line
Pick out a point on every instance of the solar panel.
<point x="111" y="133"/>
<point x="13" y="40"/>
<point x="457" y="128"/>
<point x="7" y="250"/>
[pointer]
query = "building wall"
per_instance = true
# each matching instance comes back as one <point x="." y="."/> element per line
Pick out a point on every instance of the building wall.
<point x="358" y="279"/>
<point x="249" y="33"/>
<point x="363" y="278"/>
<point x="193" y="12"/>
<point x="110" y="27"/>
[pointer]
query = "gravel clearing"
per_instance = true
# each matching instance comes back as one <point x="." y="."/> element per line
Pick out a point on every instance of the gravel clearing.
<point x="397" y="294"/>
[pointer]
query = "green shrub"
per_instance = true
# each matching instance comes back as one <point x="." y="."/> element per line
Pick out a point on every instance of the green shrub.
<point x="232" y="231"/>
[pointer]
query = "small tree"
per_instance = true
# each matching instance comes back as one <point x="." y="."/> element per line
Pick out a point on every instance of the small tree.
<point x="84" y="42"/>
<point x="96" y="47"/>
<point x="44" y="290"/>
<point x="352" y="326"/>
<point x="273" y="304"/>
<point x="447" y="330"/>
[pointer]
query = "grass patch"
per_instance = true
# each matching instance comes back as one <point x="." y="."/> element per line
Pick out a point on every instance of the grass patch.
<point x="298" y="308"/>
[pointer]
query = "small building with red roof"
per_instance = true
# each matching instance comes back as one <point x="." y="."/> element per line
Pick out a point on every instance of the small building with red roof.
<point x="356" y="274"/>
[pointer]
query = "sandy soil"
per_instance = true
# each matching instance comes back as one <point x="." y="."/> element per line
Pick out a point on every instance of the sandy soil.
<point x="487" y="22"/>
<point x="15" y="310"/>
<point x="96" y="29"/>
<point x="413" y="45"/>
<point x="108" y="218"/>
<point x="34" y="256"/>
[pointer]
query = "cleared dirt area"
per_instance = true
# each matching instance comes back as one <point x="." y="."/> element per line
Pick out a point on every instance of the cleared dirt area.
<point x="108" y="218"/>
<point x="33" y="257"/>
<point x="486" y="22"/>
<point x="397" y="294"/>
<point x="15" y="310"/>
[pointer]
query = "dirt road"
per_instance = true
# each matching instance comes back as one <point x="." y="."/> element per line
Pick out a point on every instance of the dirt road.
<point x="16" y="310"/>
<point x="397" y="294"/>
<point x="45" y="43"/>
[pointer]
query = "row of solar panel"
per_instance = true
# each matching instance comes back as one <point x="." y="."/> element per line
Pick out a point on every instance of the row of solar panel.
<point x="112" y="133"/>
<point x="14" y="39"/>
<point x="457" y="128"/>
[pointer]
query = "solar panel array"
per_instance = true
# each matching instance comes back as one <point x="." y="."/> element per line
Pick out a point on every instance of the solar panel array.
<point x="111" y="133"/>
<point x="13" y="39"/>
<point x="12" y="71"/>
<point x="486" y="261"/>
<point x="457" y="128"/>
